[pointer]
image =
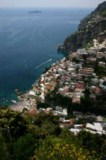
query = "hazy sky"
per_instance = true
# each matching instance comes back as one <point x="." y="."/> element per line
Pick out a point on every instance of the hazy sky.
<point x="50" y="3"/>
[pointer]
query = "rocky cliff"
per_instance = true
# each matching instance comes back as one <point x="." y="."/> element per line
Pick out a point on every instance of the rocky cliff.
<point x="92" y="26"/>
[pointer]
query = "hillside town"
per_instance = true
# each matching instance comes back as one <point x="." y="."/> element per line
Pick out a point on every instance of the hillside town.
<point x="72" y="76"/>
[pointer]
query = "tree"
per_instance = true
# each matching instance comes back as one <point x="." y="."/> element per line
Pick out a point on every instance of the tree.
<point x="24" y="147"/>
<point x="96" y="144"/>
<point x="12" y="121"/>
<point x="53" y="148"/>
<point x="4" y="154"/>
<point x="55" y="99"/>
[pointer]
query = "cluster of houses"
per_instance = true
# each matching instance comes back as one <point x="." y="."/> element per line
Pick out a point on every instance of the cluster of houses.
<point x="83" y="122"/>
<point x="95" y="128"/>
<point x="79" y="122"/>
<point x="73" y="75"/>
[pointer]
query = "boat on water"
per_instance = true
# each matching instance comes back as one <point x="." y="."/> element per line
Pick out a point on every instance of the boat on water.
<point x="13" y="101"/>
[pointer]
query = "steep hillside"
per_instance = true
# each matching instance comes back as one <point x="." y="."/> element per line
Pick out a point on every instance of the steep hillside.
<point x="92" y="26"/>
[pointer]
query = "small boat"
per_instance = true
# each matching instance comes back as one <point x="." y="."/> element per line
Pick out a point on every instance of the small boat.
<point x="13" y="101"/>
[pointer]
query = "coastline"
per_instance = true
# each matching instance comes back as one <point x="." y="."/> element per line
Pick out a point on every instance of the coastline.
<point x="22" y="103"/>
<point x="19" y="106"/>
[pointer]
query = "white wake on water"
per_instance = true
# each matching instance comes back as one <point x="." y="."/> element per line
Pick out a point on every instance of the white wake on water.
<point x="43" y="63"/>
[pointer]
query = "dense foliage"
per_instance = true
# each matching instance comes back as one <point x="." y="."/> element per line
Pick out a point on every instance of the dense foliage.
<point x="40" y="137"/>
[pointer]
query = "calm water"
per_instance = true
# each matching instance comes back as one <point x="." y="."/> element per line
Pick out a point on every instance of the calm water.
<point x="28" y="44"/>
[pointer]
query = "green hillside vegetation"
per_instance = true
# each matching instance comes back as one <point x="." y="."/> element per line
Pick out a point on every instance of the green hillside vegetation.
<point x="40" y="137"/>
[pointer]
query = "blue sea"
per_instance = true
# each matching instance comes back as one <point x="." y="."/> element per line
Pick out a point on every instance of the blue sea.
<point x="28" y="44"/>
